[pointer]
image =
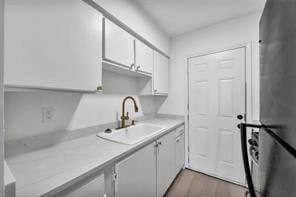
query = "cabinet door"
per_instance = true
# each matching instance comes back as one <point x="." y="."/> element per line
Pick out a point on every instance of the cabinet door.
<point x="94" y="188"/>
<point x="180" y="152"/>
<point x="144" y="58"/>
<point x="165" y="163"/>
<point x="53" y="44"/>
<point x="136" y="175"/>
<point x="118" y="45"/>
<point x="160" y="74"/>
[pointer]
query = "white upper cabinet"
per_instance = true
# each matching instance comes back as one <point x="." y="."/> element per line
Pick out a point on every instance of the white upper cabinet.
<point x="144" y="58"/>
<point x="160" y="74"/>
<point x="118" y="45"/>
<point x="54" y="44"/>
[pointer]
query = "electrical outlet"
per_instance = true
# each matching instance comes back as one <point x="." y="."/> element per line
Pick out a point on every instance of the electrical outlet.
<point x="47" y="114"/>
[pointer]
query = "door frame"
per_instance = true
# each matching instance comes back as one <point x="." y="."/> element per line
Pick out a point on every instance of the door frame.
<point x="248" y="93"/>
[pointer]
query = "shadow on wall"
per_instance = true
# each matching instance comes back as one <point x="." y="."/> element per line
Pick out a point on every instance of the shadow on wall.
<point x="159" y="101"/>
<point x="71" y="111"/>
<point x="118" y="84"/>
<point x="24" y="112"/>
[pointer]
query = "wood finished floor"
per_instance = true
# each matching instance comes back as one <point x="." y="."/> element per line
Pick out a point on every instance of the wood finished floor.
<point x="193" y="184"/>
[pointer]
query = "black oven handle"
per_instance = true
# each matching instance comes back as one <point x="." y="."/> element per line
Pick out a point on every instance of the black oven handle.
<point x="278" y="140"/>
<point x="243" y="131"/>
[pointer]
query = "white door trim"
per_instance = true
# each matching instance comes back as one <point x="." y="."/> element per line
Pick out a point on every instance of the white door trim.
<point x="248" y="89"/>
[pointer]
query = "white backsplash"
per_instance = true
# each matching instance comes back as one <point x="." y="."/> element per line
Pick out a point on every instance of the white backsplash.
<point x="23" y="110"/>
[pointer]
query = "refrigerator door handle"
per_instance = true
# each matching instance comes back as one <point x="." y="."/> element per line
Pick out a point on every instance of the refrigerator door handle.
<point x="243" y="131"/>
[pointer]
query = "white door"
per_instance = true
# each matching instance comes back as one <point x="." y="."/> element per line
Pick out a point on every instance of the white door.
<point x="53" y="44"/>
<point x="136" y="175"/>
<point x="165" y="163"/>
<point x="118" y="45"/>
<point x="160" y="74"/>
<point x="144" y="57"/>
<point x="216" y="97"/>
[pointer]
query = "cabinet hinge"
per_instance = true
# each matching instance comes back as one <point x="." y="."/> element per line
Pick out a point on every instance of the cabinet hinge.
<point x="188" y="155"/>
<point x="114" y="176"/>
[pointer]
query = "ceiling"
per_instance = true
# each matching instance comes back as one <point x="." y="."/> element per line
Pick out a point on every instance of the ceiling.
<point x="180" y="16"/>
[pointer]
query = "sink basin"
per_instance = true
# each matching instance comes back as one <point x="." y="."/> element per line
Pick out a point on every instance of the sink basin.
<point x="132" y="134"/>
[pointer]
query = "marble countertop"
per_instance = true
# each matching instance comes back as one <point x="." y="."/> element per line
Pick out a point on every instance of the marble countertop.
<point x="52" y="169"/>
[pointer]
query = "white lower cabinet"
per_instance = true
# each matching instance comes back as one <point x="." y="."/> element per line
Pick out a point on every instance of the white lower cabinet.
<point x="136" y="175"/>
<point x="148" y="172"/>
<point x="180" y="152"/>
<point x="94" y="188"/>
<point x="165" y="163"/>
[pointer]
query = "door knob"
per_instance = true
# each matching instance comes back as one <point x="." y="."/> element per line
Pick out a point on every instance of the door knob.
<point x="99" y="89"/>
<point x="238" y="126"/>
<point x="240" y="117"/>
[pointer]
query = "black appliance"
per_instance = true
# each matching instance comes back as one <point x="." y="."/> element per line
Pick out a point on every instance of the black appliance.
<point x="277" y="135"/>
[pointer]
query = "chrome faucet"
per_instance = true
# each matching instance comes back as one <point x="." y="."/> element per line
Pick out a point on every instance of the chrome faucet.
<point x="126" y="117"/>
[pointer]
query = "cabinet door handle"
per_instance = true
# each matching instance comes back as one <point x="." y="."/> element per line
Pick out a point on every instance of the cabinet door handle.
<point x="138" y="67"/>
<point x="132" y="66"/>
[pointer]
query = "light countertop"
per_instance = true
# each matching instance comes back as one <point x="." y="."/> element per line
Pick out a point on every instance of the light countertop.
<point x="50" y="170"/>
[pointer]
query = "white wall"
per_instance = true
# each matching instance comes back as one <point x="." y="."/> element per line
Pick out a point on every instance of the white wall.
<point x="1" y="97"/>
<point x="23" y="113"/>
<point x="138" y="20"/>
<point x="73" y="111"/>
<point x="218" y="36"/>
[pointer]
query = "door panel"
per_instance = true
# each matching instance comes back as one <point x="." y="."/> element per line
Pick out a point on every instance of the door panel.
<point x="118" y="44"/>
<point x="200" y="110"/>
<point x="144" y="57"/>
<point x="216" y="97"/>
<point x="160" y="74"/>
<point x="165" y="159"/>
<point x="59" y="47"/>
<point x="136" y="175"/>
<point x="180" y="152"/>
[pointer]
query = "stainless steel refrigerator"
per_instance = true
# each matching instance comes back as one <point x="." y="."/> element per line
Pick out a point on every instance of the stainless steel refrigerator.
<point x="277" y="135"/>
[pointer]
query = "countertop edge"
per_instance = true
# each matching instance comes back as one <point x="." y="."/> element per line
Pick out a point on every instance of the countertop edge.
<point x="98" y="169"/>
